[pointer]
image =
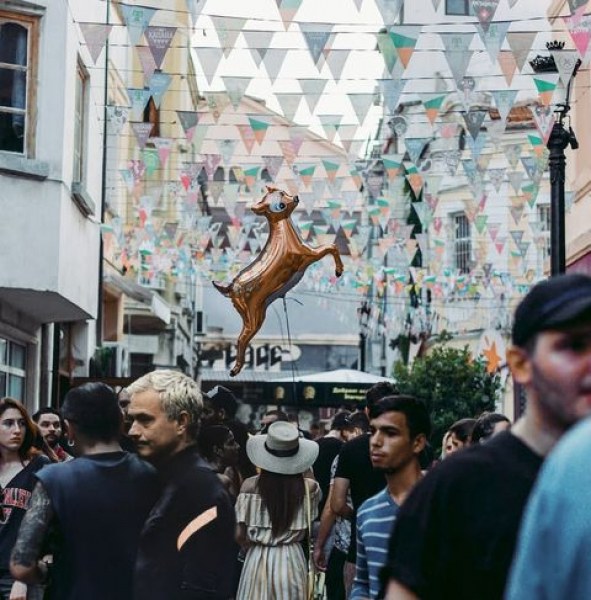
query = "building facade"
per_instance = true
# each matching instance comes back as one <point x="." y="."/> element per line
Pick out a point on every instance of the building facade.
<point x="50" y="177"/>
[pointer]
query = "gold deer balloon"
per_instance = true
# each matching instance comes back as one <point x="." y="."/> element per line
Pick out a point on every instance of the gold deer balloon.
<point x="279" y="266"/>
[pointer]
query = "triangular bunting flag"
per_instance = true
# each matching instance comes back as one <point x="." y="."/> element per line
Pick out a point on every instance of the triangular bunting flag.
<point x="580" y="33"/>
<point x="141" y="132"/>
<point x="336" y="59"/>
<point x="159" y="40"/>
<point x="189" y="120"/>
<point x="316" y="36"/>
<point x="210" y="59"/>
<point x="288" y="151"/>
<point x="387" y="50"/>
<point x="330" y="123"/>
<point x="136" y="18"/>
<point x="164" y="147"/>
<point x="228" y="30"/>
<point x="313" y="90"/>
<point x="95" y="36"/>
<point x="195" y="7"/>
<point x="361" y="104"/>
<point x="566" y="61"/>
<point x="147" y="61"/>
<point x="457" y="53"/>
<point x="273" y="61"/>
<point x="236" y="88"/>
<point x="544" y="118"/>
<point x="139" y="99"/>
<point x="415" y="147"/>
<point x="226" y="149"/>
<point x="259" y="125"/>
<point x="546" y="84"/>
<point x="288" y="10"/>
<point x="521" y="43"/>
<point x="474" y="120"/>
<point x="390" y="11"/>
<point x="247" y="136"/>
<point x="289" y="104"/>
<point x="273" y="164"/>
<point x="258" y="43"/>
<point x="504" y="100"/>
<point x="391" y="91"/>
<point x="516" y="179"/>
<point x="405" y="39"/>
<point x="433" y="104"/>
<point x="159" y="84"/>
<point x="513" y="153"/>
<point x="493" y="38"/>
<point x="508" y="65"/>
<point x="392" y="165"/>
<point x="485" y="11"/>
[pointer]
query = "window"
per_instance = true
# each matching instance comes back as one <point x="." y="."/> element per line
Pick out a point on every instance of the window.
<point x="544" y="228"/>
<point x="459" y="7"/>
<point x="80" y="124"/>
<point x="13" y="363"/>
<point x="16" y="74"/>
<point x="462" y="243"/>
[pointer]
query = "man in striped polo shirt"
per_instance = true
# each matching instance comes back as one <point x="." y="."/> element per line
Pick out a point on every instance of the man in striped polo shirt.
<point x="400" y="427"/>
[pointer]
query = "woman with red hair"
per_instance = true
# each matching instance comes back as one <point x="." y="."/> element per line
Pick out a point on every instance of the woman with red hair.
<point x="19" y="461"/>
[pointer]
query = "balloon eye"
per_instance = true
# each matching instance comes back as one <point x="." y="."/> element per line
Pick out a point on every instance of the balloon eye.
<point x="277" y="206"/>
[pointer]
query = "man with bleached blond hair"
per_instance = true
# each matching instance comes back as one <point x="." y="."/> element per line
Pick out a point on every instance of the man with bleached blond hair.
<point x="187" y="547"/>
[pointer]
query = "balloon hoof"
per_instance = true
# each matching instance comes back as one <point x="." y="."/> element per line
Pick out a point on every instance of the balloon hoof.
<point x="235" y="370"/>
<point x="338" y="272"/>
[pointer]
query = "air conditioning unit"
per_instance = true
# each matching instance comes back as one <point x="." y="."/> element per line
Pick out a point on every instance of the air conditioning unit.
<point x="119" y="359"/>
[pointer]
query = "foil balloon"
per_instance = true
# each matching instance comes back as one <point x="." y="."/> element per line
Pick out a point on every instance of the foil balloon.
<point x="280" y="265"/>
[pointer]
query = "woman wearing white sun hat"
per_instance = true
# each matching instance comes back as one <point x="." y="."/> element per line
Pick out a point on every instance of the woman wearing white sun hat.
<point x="272" y="514"/>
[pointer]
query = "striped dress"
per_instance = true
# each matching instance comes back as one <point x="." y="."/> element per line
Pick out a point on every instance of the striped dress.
<point x="375" y="519"/>
<point x="274" y="568"/>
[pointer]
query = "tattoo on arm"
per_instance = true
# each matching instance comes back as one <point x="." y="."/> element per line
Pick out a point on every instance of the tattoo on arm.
<point x="33" y="529"/>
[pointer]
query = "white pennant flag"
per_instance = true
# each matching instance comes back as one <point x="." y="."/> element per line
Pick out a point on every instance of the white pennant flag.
<point x="273" y="61"/>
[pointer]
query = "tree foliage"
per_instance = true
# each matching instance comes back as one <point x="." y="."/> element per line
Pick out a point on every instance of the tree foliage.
<point x="453" y="384"/>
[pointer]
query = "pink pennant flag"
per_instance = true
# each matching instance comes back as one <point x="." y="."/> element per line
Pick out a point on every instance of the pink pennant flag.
<point x="164" y="146"/>
<point x="247" y="137"/>
<point x="580" y="33"/>
<point x="508" y="64"/>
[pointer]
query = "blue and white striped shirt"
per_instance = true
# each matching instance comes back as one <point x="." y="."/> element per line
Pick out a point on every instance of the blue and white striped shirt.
<point x="375" y="519"/>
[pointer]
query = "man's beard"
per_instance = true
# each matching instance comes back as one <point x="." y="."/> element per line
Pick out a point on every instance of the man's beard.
<point x="52" y="442"/>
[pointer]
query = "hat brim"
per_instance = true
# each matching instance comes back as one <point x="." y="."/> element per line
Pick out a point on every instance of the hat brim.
<point x="284" y="465"/>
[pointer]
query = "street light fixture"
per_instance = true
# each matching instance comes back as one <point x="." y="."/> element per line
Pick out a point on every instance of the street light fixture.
<point x="560" y="138"/>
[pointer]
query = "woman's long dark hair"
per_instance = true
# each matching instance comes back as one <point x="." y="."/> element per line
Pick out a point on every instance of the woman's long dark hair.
<point x="282" y="495"/>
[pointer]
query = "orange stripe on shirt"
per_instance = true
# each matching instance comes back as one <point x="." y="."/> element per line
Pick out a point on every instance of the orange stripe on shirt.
<point x="195" y="525"/>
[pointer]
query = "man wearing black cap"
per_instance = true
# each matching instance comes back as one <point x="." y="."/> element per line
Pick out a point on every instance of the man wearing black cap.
<point x="455" y="535"/>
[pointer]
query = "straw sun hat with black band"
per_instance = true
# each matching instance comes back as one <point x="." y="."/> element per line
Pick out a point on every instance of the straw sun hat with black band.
<point x="282" y="450"/>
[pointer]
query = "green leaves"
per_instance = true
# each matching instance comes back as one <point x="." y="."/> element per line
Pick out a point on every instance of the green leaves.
<point x="453" y="384"/>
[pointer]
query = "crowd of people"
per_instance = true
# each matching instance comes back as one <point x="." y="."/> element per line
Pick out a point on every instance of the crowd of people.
<point x="160" y="493"/>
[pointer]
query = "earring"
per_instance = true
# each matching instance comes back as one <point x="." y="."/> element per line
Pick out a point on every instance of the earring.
<point x="71" y="443"/>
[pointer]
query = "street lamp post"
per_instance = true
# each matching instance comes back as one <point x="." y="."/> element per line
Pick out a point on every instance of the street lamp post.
<point x="363" y="313"/>
<point x="559" y="140"/>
